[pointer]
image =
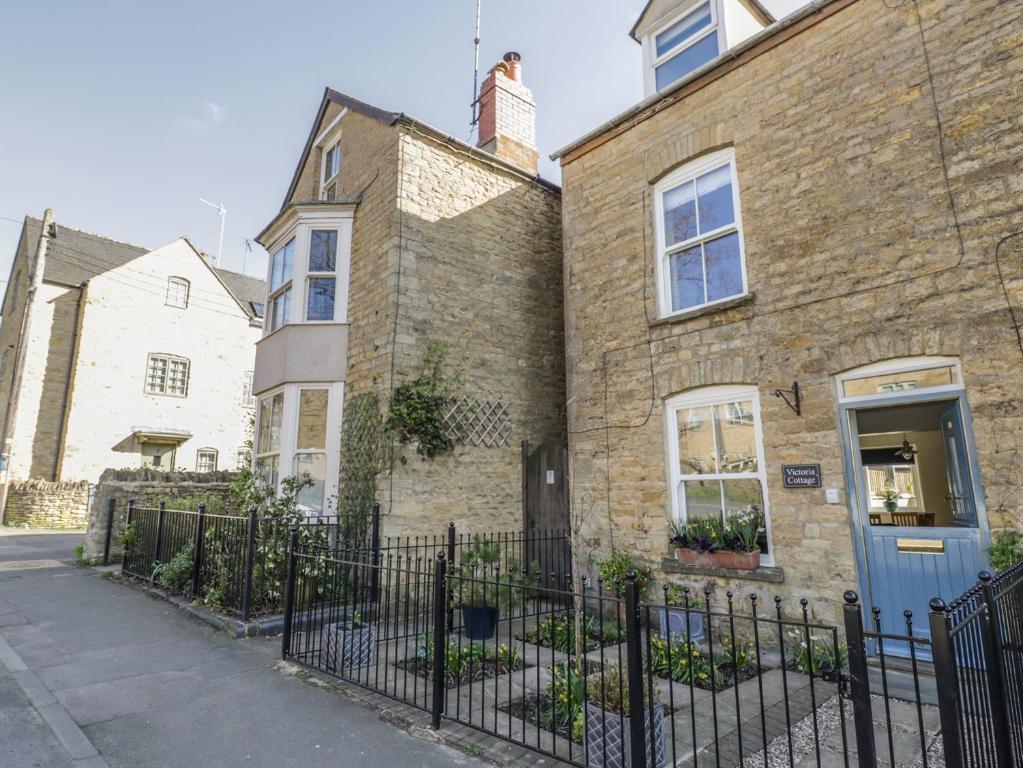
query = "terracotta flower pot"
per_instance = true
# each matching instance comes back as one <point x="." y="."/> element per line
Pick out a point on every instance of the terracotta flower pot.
<point x="688" y="556"/>
<point x="740" y="561"/>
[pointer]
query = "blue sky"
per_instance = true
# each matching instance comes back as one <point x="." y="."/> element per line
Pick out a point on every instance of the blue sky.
<point x="119" y="114"/>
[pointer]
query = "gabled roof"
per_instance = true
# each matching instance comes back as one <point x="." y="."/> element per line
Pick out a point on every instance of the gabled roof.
<point x="74" y="256"/>
<point x="249" y="291"/>
<point x="391" y="118"/>
<point x="329" y="96"/>
<point x="755" y="7"/>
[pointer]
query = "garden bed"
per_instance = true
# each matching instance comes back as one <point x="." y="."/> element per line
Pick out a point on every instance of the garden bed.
<point x="690" y="663"/>
<point x="466" y="664"/>
<point x="558" y="632"/>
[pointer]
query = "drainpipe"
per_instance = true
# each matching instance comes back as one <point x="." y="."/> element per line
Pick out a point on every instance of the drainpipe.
<point x="35" y="280"/>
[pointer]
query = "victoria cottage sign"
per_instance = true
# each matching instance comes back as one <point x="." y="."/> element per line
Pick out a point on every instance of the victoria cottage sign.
<point x="801" y="475"/>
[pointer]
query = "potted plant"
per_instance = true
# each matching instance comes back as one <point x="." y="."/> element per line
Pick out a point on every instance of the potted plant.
<point x="741" y="547"/>
<point x="695" y="542"/>
<point x="477" y="590"/>
<point x="673" y="617"/>
<point x="349" y="644"/>
<point x="607" y="723"/>
<point x="890" y="498"/>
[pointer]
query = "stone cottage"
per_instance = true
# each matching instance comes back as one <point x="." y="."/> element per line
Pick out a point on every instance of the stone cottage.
<point x="116" y="355"/>
<point x="396" y="241"/>
<point x="802" y="292"/>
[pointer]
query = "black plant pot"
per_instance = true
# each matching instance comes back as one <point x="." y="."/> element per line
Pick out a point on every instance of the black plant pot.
<point x="479" y="622"/>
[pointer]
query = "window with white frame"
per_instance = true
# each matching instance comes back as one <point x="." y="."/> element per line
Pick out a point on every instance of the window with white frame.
<point x="321" y="280"/>
<point x="167" y="375"/>
<point x="699" y="235"/>
<point x="331" y="168"/>
<point x="311" y="447"/>
<point x="268" y="438"/>
<point x="177" y="292"/>
<point x="206" y="460"/>
<point x="295" y="438"/>
<point x="243" y="458"/>
<point x="281" y="267"/>
<point x="247" y="399"/>
<point x="685" y="44"/>
<point x="715" y="454"/>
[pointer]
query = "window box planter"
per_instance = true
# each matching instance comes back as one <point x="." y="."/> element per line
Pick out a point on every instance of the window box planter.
<point x="673" y="622"/>
<point x="740" y="561"/>
<point x="688" y="556"/>
<point x="346" y="646"/>
<point x="609" y="741"/>
<point x="479" y="622"/>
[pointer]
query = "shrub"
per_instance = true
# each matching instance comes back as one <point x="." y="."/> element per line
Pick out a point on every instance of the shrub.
<point x="615" y="570"/>
<point x="128" y="537"/>
<point x="675" y="597"/>
<point x="1006" y="549"/>
<point x="176" y="574"/>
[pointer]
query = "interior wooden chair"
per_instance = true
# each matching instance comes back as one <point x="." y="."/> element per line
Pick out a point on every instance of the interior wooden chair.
<point x="875" y="518"/>
<point x="904" y="518"/>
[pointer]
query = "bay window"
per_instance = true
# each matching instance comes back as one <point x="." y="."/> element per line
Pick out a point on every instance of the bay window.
<point x="268" y="438"/>
<point x="298" y="434"/>
<point x="321" y="281"/>
<point x="699" y="235"/>
<point x="281" y="268"/>
<point x="715" y="454"/>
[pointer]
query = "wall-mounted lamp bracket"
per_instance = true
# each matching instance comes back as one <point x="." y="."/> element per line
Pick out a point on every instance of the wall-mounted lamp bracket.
<point x="793" y="393"/>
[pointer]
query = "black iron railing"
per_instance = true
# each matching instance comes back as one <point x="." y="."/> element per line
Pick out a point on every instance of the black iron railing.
<point x="978" y="657"/>
<point x="577" y="672"/>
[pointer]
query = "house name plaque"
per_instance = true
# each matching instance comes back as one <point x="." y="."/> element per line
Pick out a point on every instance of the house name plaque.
<point x="801" y="475"/>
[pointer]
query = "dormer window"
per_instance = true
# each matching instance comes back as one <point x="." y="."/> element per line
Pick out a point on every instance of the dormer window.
<point x="331" y="168"/>
<point x="678" y="41"/>
<point x="686" y="44"/>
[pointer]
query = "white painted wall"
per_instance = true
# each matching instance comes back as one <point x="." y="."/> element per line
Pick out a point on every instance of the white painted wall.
<point x="30" y="407"/>
<point x="125" y="319"/>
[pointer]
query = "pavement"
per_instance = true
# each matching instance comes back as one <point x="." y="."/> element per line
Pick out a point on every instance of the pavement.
<point x="94" y="674"/>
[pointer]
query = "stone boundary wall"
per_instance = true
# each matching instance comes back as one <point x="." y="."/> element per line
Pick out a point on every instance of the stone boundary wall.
<point x="43" y="504"/>
<point x="148" y="488"/>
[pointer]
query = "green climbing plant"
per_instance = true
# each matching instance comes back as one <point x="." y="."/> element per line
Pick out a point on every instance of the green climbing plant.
<point x="416" y="413"/>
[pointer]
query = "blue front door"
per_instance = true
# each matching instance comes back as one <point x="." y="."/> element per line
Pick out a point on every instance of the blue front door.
<point x="917" y="507"/>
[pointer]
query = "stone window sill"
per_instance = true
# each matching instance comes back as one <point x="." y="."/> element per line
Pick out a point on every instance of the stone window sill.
<point x="770" y="574"/>
<point x="680" y="317"/>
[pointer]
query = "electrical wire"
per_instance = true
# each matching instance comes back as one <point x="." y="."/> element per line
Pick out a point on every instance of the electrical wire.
<point x="157" y="289"/>
<point x="1005" y="289"/>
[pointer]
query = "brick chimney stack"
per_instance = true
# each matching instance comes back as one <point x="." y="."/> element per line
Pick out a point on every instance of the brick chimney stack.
<point x="507" y="116"/>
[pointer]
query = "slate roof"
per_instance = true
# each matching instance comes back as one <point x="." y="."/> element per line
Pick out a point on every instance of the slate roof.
<point x="249" y="291"/>
<point x="390" y="118"/>
<point x="74" y="256"/>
